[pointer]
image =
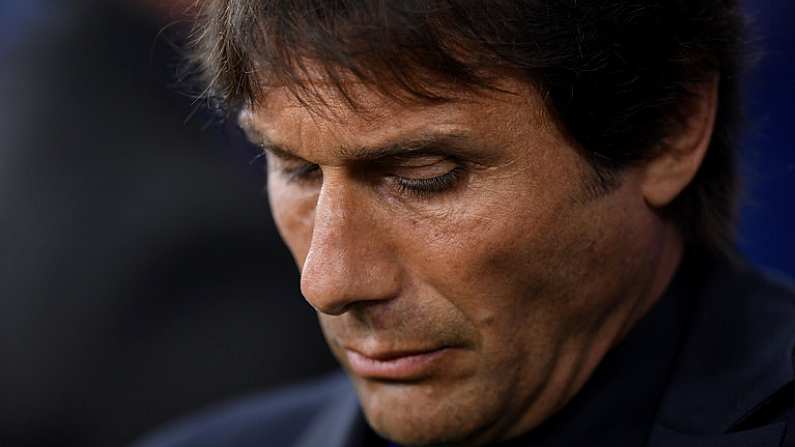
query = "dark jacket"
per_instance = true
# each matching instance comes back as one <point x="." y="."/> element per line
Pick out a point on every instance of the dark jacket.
<point x="733" y="382"/>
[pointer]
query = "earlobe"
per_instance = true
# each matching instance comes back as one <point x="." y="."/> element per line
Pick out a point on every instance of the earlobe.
<point x="682" y="153"/>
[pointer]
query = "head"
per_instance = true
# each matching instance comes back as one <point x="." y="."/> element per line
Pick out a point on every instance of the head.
<point x="482" y="197"/>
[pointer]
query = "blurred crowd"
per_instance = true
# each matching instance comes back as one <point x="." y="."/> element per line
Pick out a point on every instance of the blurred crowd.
<point x="141" y="275"/>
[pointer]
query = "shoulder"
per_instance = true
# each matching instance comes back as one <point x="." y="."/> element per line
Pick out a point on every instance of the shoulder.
<point x="777" y="285"/>
<point x="736" y="367"/>
<point x="747" y="314"/>
<point x="741" y="302"/>
<point x="278" y="418"/>
<point x="764" y="301"/>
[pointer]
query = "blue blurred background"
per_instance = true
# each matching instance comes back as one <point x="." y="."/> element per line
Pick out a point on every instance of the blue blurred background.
<point x="767" y="231"/>
<point x="141" y="276"/>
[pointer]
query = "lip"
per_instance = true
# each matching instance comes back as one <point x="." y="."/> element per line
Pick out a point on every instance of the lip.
<point x="395" y="365"/>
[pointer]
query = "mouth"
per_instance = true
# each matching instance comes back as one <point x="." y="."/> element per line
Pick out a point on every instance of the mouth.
<point x="396" y="365"/>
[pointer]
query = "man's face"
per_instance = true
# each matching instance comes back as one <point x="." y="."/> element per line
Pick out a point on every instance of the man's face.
<point x="464" y="273"/>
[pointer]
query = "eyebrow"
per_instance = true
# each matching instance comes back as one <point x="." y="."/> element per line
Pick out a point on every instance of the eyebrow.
<point x="425" y="143"/>
<point x="429" y="142"/>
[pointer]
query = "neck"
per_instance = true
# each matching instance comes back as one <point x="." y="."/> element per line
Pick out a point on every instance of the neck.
<point x="671" y="255"/>
<point x="581" y="355"/>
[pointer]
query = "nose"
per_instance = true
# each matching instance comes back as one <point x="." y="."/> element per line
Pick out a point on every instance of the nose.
<point x="349" y="259"/>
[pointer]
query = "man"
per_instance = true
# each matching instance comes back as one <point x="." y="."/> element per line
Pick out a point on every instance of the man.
<point x="514" y="219"/>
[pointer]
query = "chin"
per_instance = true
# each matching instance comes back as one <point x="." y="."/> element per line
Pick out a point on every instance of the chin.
<point x="423" y="414"/>
<point x="417" y="431"/>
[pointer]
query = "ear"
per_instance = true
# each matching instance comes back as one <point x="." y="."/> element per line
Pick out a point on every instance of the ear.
<point x="674" y="168"/>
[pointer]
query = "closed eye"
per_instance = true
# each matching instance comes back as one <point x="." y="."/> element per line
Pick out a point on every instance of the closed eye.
<point x="292" y="168"/>
<point x="420" y="176"/>
<point x="302" y="173"/>
<point x="426" y="187"/>
<point x="423" y="175"/>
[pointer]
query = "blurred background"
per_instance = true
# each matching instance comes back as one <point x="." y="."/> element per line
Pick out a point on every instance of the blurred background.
<point x="141" y="276"/>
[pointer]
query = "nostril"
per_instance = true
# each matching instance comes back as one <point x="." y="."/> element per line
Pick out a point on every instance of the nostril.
<point x="334" y="286"/>
<point x="333" y="310"/>
<point x="323" y="284"/>
<point x="328" y="285"/>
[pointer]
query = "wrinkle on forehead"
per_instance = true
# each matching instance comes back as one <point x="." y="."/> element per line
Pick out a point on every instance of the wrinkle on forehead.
<point x="281" y="118"/>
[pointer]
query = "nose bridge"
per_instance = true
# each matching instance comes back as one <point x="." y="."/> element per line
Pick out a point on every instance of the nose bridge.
<point x="348" y="259"/>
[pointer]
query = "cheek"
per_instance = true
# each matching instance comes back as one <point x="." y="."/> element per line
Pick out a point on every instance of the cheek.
<point x="486" y="255"/>
<point x="293" y="212"/>
<point x="502" y="244"/>
<point x="532" y="270"/>
<point x="481" y="263"/>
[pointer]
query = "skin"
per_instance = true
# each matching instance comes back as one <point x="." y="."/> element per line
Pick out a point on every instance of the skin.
<point x="524" y="276"/>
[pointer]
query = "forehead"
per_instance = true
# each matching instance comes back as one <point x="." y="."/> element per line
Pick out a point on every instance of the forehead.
<point x="281" y="119"/>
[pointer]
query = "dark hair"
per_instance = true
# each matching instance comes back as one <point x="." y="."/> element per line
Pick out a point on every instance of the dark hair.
<point x="617" y="75"/>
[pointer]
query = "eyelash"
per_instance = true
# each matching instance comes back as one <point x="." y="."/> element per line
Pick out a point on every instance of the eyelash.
<point x="421" y="188"/>
<point x="302" y="174"/>
<point x="427" y="187"/>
